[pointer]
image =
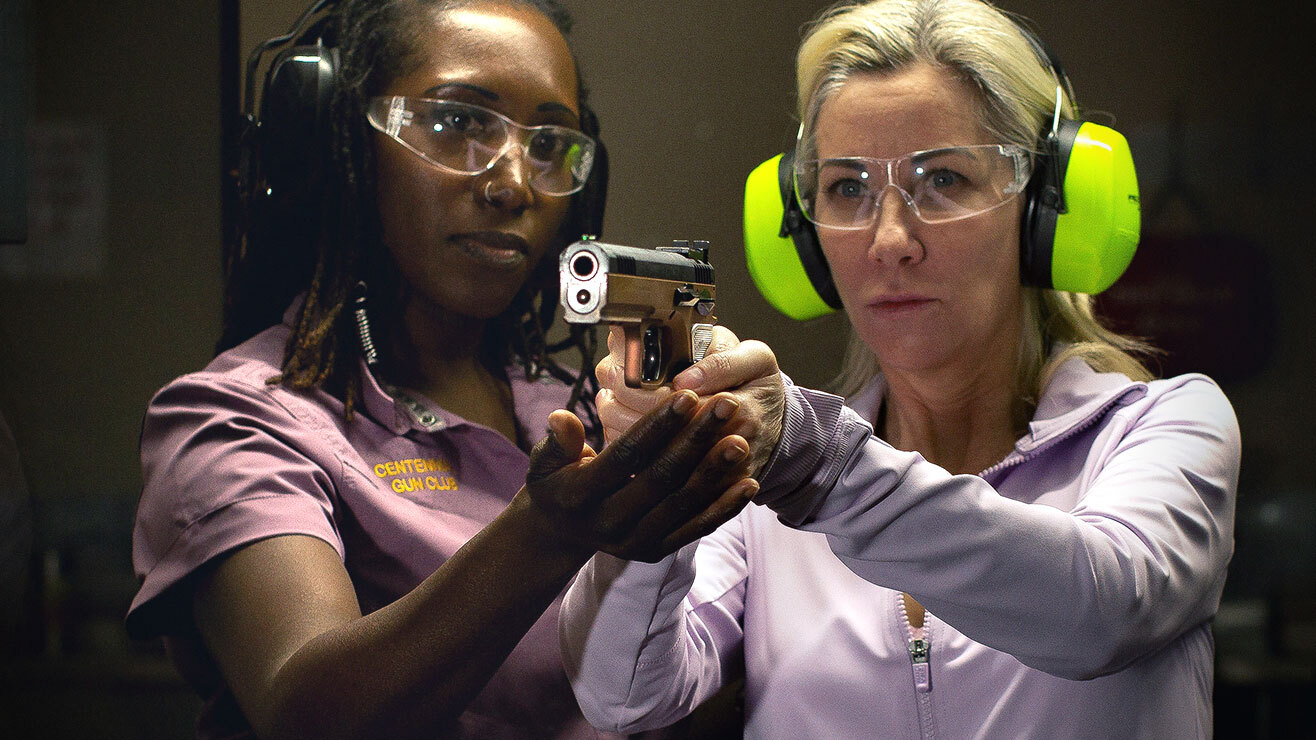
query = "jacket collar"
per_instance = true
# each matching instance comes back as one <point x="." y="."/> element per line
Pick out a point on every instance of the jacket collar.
<point x="1075" y="396"/>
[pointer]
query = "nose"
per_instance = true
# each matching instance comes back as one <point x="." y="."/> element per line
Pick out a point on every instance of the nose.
<point x="507" y="183"/>
<point x="893" y="241"/>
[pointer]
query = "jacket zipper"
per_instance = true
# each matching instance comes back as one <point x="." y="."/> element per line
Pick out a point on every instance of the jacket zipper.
<point x="920" y="653"/>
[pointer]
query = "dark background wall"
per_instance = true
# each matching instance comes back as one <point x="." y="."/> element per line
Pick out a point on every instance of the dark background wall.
<point x="116" y="290"/>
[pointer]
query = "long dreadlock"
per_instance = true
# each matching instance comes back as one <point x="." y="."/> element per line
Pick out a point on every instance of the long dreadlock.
<point x="333" y="240"/>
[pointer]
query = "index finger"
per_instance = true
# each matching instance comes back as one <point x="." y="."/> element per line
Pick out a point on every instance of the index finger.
<point x="616" y="340"/>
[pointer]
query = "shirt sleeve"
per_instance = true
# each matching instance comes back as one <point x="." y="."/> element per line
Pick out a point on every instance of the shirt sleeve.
<point x="1138" y="561"/>
<point x="224" y="464"/>
<point x="646" y="643"/>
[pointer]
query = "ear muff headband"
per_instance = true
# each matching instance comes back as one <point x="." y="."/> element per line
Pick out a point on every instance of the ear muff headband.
<point x="281" y="168"/>
<point x="294" y="120"/>
<point x="781" y="247"/>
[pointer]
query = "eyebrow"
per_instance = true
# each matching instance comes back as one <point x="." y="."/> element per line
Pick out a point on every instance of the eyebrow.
<point x="858" y="164"/>
<point x="490" y="95"/>
<point x="481" y="91"/>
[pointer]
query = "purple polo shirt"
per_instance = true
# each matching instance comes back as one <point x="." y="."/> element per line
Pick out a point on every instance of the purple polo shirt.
<point x="228" y="459"/>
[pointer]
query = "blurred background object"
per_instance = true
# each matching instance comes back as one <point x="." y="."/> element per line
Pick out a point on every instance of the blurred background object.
<point x="112" y="220"/>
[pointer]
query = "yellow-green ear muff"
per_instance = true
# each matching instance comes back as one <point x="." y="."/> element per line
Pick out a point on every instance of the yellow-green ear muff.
<point x="1083" y="217"/>
<point x="1096" y="237"/>
<point x="781" y="246"/>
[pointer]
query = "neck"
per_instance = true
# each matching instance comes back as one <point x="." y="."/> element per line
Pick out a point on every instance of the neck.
<point x="964" y="421"/>
<point x="438" y="354"/>
<point x="433" y="349"/>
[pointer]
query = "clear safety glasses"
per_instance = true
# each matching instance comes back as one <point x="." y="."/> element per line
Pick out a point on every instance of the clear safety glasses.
<point x="937" y="184"/>
<point x="468" y="139"/>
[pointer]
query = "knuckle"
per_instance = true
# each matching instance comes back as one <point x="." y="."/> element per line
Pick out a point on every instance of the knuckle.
<point x="664" y="470"/>
<point x="603" y="371"/>
<point x="723" y="338"/>
<point x="609" y="527"/>
<point x="627" y="453"/>
<point x="718" y="363"/>
<point x="761" y="352"/>
<point x="683" y="504"/>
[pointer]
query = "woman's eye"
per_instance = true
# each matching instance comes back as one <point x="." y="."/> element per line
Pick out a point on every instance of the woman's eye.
<point x="847" y="188"/>
<point x="942" y="179"/>
<point x="545" y="145"/>
<point x="455" y="120"/>
<point x="452" y="120"/>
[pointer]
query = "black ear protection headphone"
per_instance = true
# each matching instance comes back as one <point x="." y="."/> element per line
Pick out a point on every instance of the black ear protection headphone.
<point x="1079" y="231"/>
<point x="283" y="160"/>
<point x="282" y="163"/>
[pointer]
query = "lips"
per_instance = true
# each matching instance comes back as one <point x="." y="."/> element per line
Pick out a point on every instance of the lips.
<point x="900" y="303"/>
<point x="493" y="248"/>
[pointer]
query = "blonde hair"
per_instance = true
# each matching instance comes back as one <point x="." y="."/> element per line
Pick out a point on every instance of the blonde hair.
<point x="1016" y="89"/>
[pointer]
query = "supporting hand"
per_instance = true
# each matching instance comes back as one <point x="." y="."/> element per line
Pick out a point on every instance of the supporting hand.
<point x="747" y="371"/>
<point x="667" y="480"/>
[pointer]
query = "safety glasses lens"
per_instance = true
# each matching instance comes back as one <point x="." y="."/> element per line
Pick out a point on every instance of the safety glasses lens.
<point x="469" y="139"/>
<point x="939" y="185"/>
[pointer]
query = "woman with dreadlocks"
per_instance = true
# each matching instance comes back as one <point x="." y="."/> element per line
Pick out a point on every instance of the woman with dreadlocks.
<point x="343" y="530"/>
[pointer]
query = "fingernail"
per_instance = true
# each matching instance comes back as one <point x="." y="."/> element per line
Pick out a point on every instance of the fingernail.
<point x="749" y="488"/>
<point x="692" y="378"/>
<point x="683" y="403"/>
<point x="724" y="408"/>
<point x="734" y="454"/>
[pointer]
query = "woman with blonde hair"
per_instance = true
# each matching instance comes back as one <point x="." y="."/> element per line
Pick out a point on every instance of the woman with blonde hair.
<point x="1007" y="528"/>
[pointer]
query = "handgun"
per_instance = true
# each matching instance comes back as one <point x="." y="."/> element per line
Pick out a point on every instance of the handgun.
<point x="662" y="298"/>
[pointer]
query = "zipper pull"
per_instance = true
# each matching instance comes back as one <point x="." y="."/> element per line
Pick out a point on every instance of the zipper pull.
<point x="918" y="651"/>
<point x="918" y="654"/>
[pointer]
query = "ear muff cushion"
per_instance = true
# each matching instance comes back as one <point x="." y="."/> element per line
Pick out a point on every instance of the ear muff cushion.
<point x="773" y="259"/>
<point x="293" y="117"/>
<point x="1096" y="236"/>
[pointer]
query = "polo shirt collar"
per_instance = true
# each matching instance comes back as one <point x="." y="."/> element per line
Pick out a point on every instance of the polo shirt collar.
<point x="396" y="408"/>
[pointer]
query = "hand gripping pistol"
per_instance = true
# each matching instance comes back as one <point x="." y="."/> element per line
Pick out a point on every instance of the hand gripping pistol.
<point x="662" y="298"/>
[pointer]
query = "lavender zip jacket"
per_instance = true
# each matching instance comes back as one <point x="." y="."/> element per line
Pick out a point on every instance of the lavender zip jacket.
<point x="1068" y="588"/>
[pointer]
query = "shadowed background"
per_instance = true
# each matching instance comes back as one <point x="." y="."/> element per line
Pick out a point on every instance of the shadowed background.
<point x="110" y="121"/>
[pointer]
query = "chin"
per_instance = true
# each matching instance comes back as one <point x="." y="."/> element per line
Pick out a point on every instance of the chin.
<point x="480" y="305"/>
<point x="911" y="354"/>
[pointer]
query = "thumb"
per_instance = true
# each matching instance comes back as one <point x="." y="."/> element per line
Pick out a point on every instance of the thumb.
<point x="564" y="445"/>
